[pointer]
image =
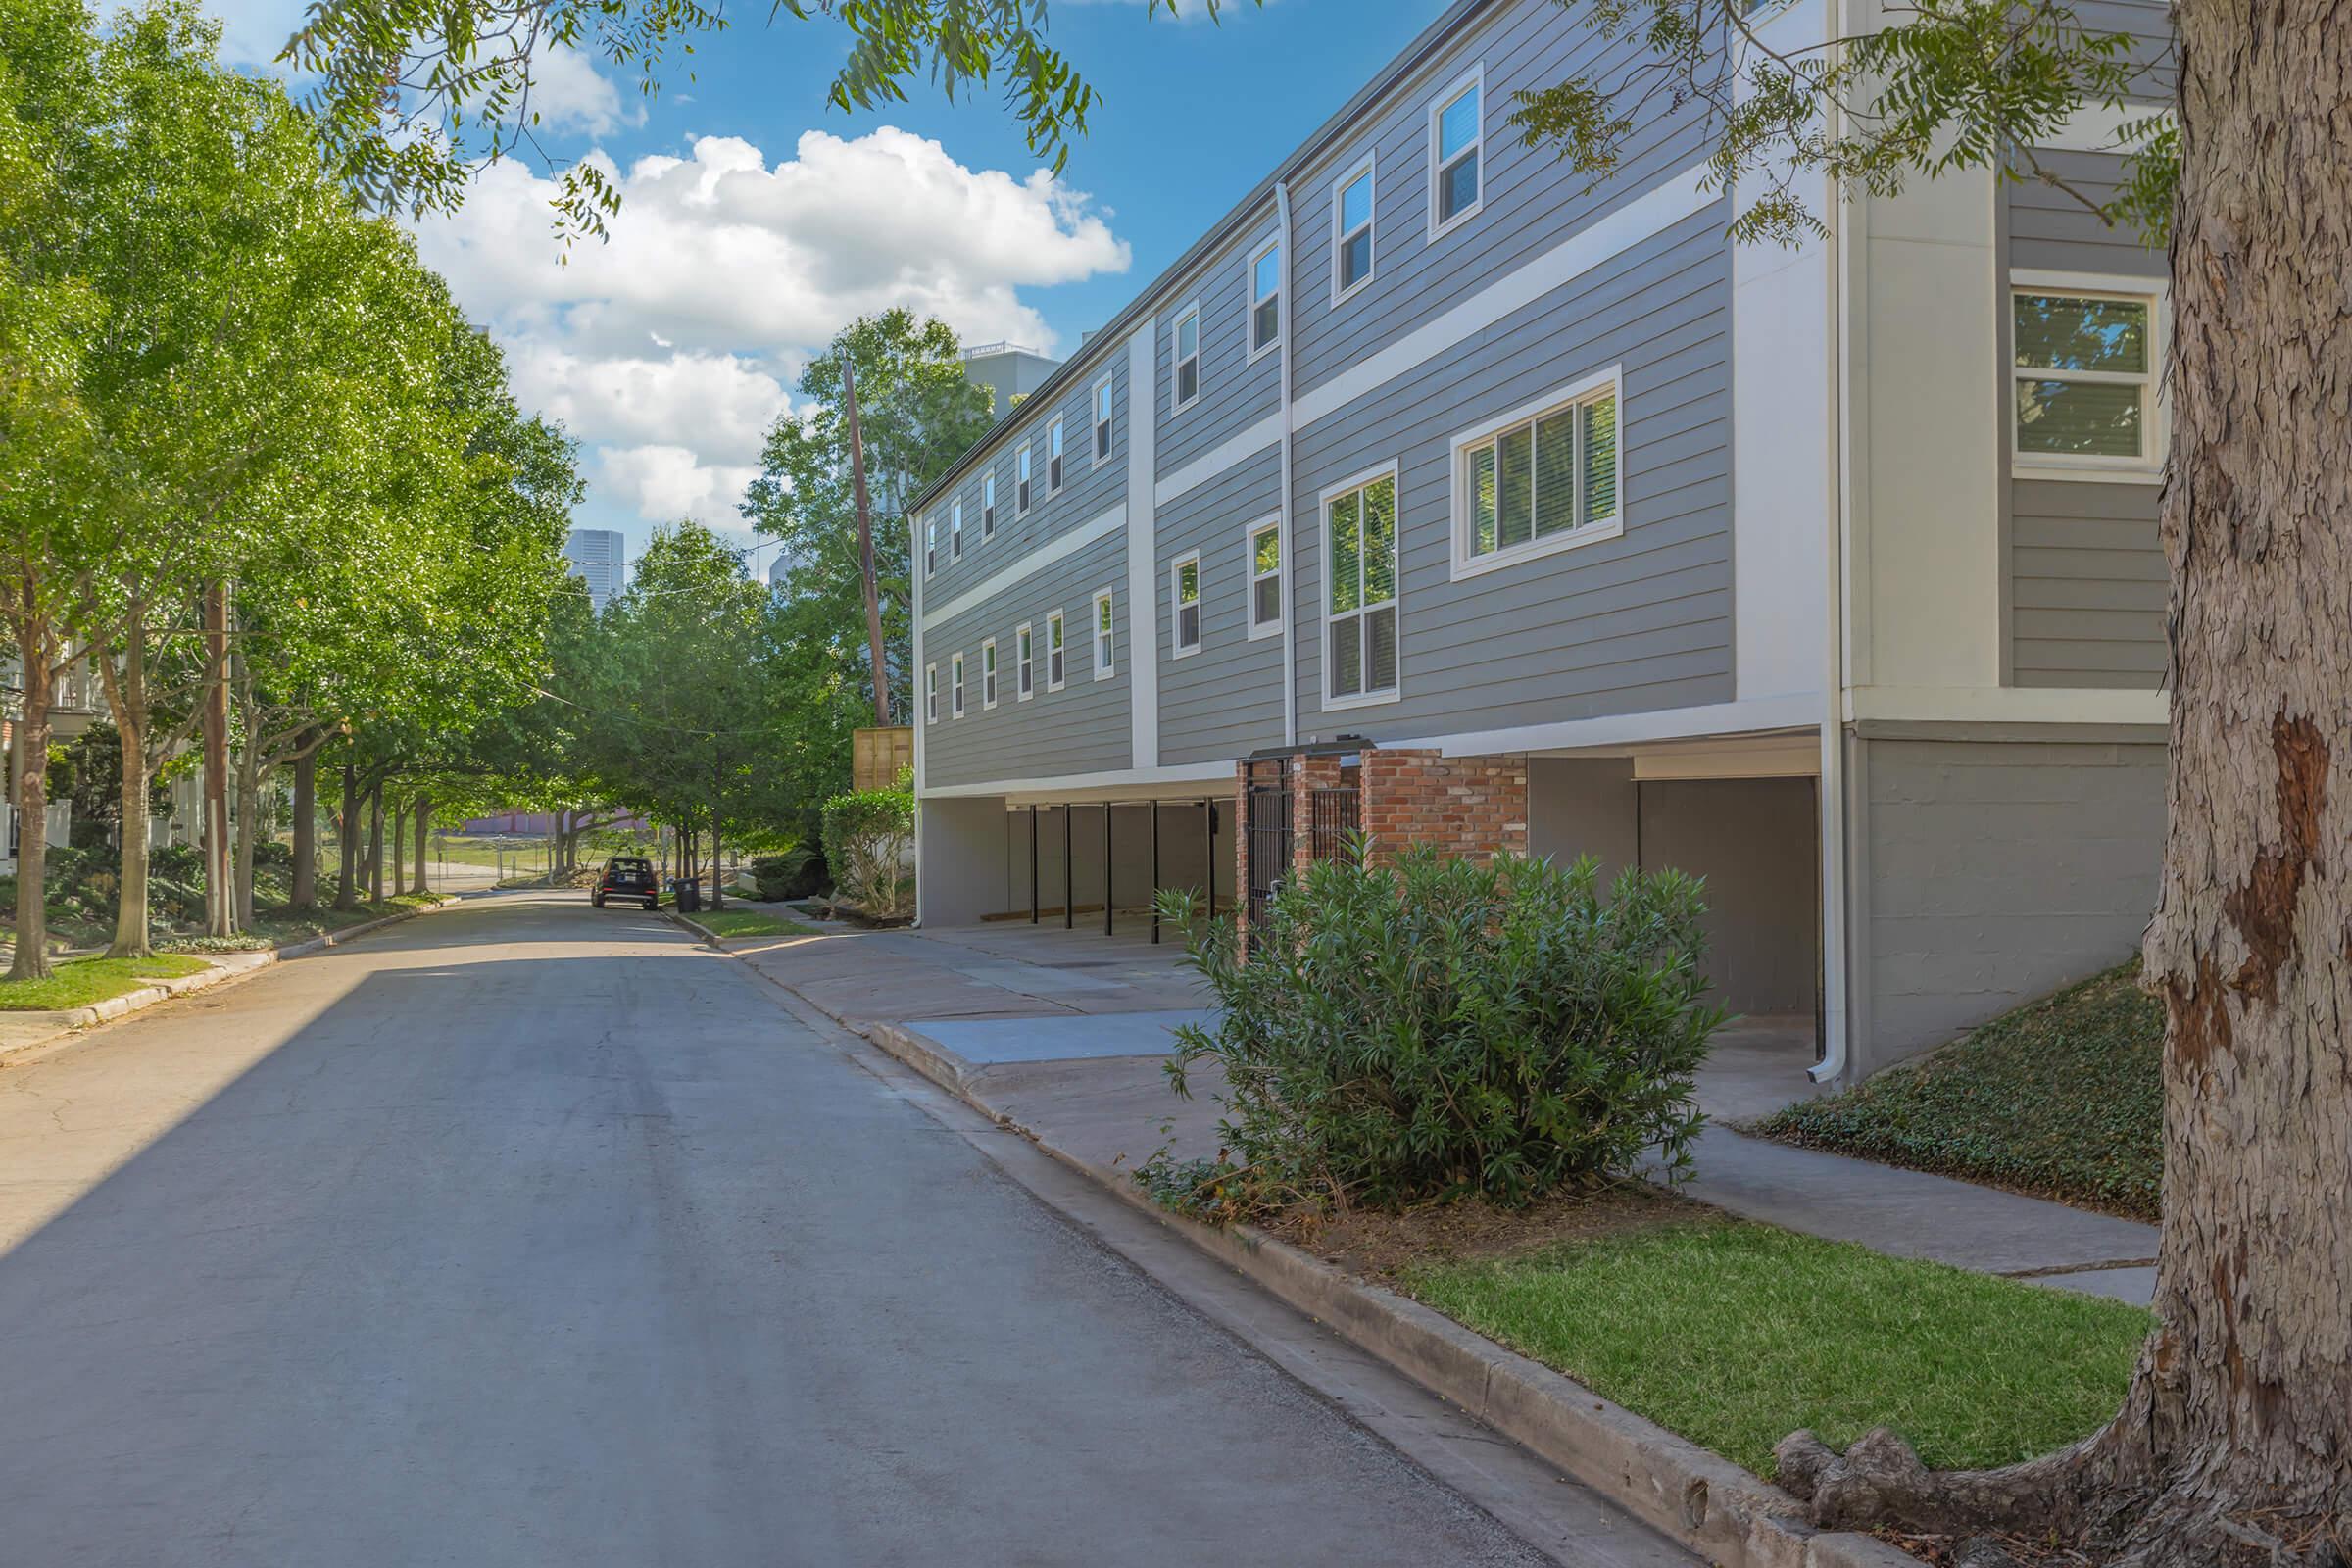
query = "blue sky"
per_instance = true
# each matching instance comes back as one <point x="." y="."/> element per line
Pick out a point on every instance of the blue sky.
<point x="758" y="221"/>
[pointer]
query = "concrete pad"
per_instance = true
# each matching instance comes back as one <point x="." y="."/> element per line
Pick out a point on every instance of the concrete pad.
<point x="2137" y="1286"/>
<point x="1755" y="1067"/>
<point x="1068" y="1037"/>
<point x="1034" y="979"/>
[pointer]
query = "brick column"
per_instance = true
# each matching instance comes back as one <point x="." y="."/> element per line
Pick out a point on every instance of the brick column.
<point x="1466" y="806"/>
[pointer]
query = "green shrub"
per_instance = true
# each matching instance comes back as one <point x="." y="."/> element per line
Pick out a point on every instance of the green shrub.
<point x="867" y="836"/>
<point x="1436" y="1029"/>
<point x="796" y="873"/>
<point x="273" y="854"/>
<point x="176" y="863"/>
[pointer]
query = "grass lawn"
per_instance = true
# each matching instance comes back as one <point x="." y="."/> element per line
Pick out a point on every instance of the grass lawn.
<point x="749" y="923"/>
<point x="1736" y="1334"/>
<point x="79" y="982"/>
<point x="276" y="928"/>
<point x="2063" y="1098"/>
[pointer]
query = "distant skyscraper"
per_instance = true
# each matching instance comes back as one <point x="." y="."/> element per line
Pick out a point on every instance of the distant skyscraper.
<point x="1008" y="370"/>
<point x="598" y="559"/>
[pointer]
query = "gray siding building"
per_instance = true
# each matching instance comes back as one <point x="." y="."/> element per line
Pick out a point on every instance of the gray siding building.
<point x="1442" y="489"/>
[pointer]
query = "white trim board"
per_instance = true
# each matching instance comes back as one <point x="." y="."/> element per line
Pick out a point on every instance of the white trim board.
<point x="1230" y="453"/>
<point x="1054" y="791"/>
<point x="1028" y="566"/>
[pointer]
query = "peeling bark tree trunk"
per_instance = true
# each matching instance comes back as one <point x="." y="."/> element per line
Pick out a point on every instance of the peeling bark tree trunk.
<point x="302" y="892"/>
<point x="2234" y="1445"/>
<point x="424" y="817"/>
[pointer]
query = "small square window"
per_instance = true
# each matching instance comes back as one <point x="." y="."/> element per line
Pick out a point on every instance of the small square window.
<point x="2085" y="378"/>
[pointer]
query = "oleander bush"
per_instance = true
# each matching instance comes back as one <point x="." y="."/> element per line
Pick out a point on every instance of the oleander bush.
<point x="869" y="836"/>
<point x="1428" y="1029"/>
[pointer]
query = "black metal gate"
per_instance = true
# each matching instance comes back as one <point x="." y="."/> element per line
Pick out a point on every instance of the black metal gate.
<point x="1266" y="798"/>
<point x="1333" y="815"/>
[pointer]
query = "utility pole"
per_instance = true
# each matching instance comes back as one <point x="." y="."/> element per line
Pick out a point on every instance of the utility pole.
<point x="865" y="540"/>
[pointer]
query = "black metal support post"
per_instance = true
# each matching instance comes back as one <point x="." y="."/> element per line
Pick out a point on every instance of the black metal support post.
<point x="1108" y="905"/>
<point x="1155" y="871"/>
<point x="1069" y="898"/>
<point x="1033" y="909"/>
<point x="1209" y="852"/>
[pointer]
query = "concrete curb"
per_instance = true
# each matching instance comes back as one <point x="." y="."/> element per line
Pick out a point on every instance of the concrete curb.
<point x="1707" y="1504"/>
<point x="224" y="967"/>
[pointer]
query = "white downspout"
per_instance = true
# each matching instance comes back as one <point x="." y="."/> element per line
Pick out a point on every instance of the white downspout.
<point x="1837" y="455"/>
<point x="1290" y="589"/>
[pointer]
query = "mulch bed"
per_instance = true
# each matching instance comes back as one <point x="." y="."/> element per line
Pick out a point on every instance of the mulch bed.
<point x="1379" y="1245"/>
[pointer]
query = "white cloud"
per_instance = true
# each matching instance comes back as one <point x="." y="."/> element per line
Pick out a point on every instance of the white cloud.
<point x="669" y="346"/>
<point x="568" y="94"/>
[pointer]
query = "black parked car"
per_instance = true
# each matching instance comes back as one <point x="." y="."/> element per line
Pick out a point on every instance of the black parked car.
<point x="626" y="876"/>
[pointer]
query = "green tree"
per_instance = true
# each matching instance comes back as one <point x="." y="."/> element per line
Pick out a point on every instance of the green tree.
<point x="2230" y="1446"/>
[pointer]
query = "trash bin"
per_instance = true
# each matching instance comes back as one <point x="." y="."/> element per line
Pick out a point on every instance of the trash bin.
<point x="690" y="894"/>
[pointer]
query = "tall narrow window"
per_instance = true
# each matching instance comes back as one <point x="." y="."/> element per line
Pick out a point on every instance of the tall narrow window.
<point x="1020" y="482"/>
<point x="1024" y="669"/>
<point x="1102" y="420"/>
<point x="1188" y="357"/>
<point x="1053" y="655"/>
<point x="2085" y="379"/>
<point x="930" y="694"/>
<point x="1103" y="630"/>
<point x="988" y="504"/>
<point x="1054" y="457"/>
<point x="1351" y="232"/>
<point x="1184" y="604"/>
<point x="930" y="546"/>
<point x="1538" y="479"/>
<point x="955" y="686"/>
<point x="988" y="673"/>
<point x="1359" y="622"/>
<point x="955" y="529"/>
<point x="1266" y="579"/>
<point x="1265" y="299"/>
<point x="1456" y="141"/>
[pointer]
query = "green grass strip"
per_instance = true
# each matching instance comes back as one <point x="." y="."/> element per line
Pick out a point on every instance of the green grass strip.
<point x="81" y="982"/>
<point x="1734" y="1334"/>
<point x="730" y="923"/>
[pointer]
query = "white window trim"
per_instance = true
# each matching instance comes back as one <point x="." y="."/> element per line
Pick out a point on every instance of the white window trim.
<point x="1176" y="643"/>
<point x="955" y="685"/>
<point x="988" y="504"/>
<point x="1024" y="649"/>
<point x="1176" y="359"/>
<point x="1100" y="396"/>
<point x="1466" y="564"/>
<point x="2156" y="427"/>
<point x="1366" y="164"/>
<point x="989" y="671"/>
<point x="930" y="694"/>
<point x="1055" y="620"/>
<point x="1251" y="577"/>
<point x="1281" y="298"/>
<point x="1323" y="499"/>
<point x="1104" y="643"/>
<point x="955" y="529"/>
<point x="1018" y="453"/>
<point x="1058" y="425"/>
<point x="1475" y="76"/>
<point x="930" y="547"/>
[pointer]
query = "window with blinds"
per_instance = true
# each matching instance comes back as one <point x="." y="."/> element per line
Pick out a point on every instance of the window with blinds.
<point x="1541" y="480"/>
<point x="1360" y="620"/>
<point x="2085" y="380"/>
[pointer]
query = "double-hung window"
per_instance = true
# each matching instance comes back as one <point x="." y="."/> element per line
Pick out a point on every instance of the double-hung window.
<point x="1020" y="481"/>
<point x="1456" y="143"/>
<point x="955" y="685"/>
<point x="930" y="694"/>
<point x="1104" y="624"/>
<point x="1024" y="678"/>
<point x="1352" y="232"/>
<point x="1266" y="578"/>
<point x="1540" y="478"/>
<point x="988" y="673"/>
<point x="1184" y="604"/>
<point x="988" y="504"/>
<point x="955" y="529"/>
<point x="1265" y="299"/>
<point x="1359" y="621"/>
<point x="1188" y="357"/>
<point x="1054" y="457"/>
<point x="2085" y="379"/>
<point x="1053" y="653"/>
<point x="1102" y="420"/>
<point x="930" y="546"/>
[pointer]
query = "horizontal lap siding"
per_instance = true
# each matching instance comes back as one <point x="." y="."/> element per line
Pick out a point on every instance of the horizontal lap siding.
<point x="1638" y="622"/>
<point x="1081" y="729"/>
<point x="1087" y="491"/>
<point x="1234" y="393"/>
<point x="1226" y="700"/>
<point x="2050" y="228"/>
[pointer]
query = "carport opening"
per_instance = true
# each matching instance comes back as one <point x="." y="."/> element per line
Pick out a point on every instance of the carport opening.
<point x="1102" y="866"/>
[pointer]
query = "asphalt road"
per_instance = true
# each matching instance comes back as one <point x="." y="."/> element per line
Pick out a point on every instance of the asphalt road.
<point x="527" y="1234"/>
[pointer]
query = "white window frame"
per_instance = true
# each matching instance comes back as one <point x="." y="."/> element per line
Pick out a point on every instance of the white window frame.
<point x="1024" y="480"/>
<point x="1101" y="408"/>
<point x="2156" y="422"/>
<point x="1468" y="565"/>
<point x="1472" y="79"/>
<point x="931" y="694"/>
<point x="1178" y="648"/>
<point x="1176" y="358"/>
<point x="988" y="673"/>
<point x="1364" y="168"/>
<point x="1105" y="641"/>
<point x="930" y="547"/>
<point x="1058" y="454"/>
<point x="955" y="529"/>
<point x="1330" y="493"/>
<point x="1058" y="651"/>
<point x="1024" y="656"/>
<point x="955" y="684"/>
<point x="1251" y="577"/>
<point x="1281" y="297"/>
<point x="987" y="503"/>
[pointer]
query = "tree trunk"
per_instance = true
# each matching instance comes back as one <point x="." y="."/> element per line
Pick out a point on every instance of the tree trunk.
<point x="400" y="849"/>
<point x="376" y="843"/>
<point x="34" y="650"/>
<point x="302" y="892"/>
<point x="865" y="541"/>
<point x="127" y="697"/>
<point x="220" y="909"/>
<point x="347" y="843"/>
<point x="249" y="826"/>
<point x="2234" y="1445"/>
<point x="424" y="817"/>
